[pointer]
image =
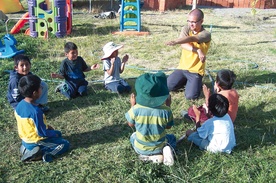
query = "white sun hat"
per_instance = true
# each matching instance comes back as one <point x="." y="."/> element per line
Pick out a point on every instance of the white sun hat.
<point x="109" y="48"/>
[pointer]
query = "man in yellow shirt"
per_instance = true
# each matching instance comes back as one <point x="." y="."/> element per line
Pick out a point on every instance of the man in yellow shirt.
<point x="195" y="42"/>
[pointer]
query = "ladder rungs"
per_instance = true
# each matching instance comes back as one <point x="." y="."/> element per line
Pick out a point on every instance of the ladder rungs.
<point x="130" y="16"/>
<point x="130" y="20"/>
<point x="130" y="27"/>
<point x="131" y="11"/>
<point x="131" y="4"/>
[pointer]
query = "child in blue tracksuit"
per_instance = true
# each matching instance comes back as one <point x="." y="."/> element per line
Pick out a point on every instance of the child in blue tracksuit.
<point x="22" y="67"/>
<point x="71" y="70"/>
<point x="39" y="140"/>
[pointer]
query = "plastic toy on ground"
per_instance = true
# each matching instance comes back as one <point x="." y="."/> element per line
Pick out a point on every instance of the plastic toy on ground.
<point x="8" y="49"/>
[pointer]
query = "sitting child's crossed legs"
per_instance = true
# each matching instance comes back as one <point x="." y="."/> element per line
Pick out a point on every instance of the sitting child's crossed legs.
<point x="197" y="140"/>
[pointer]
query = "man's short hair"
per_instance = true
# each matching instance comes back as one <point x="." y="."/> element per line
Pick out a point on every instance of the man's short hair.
<point x="28" y="84"/>
<point x="70" y="46"/>
<point x="218" y="105"/>
<point x="21" y="57"/>
<point x="198" y="13"/>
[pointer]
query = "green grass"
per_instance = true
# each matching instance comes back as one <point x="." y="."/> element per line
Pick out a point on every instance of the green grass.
<point x="96" y="127"/>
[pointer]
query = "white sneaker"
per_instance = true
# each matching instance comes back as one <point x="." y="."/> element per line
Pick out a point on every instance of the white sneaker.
<point x="168" y="156"/>
<point x="153" y="158"/>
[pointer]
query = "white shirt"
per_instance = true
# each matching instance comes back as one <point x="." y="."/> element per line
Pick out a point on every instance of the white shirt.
<point x="219" y="131"/>
<point x="116" y="72"/>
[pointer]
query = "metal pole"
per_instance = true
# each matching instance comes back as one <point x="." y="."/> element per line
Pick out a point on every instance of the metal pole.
<point x="111" y="4"/>
<point x="90" y="6"/>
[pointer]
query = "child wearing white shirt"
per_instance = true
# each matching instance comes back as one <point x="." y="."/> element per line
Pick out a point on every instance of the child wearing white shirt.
<point x="217" y="133"/>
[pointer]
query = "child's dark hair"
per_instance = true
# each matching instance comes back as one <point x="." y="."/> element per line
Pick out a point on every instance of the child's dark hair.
<point x="218" y="105"/>
<point x="225" y="79"/>
<point x="70" y="46"/>
<point x="28" y="84"/>
<point x="19" y="58"/>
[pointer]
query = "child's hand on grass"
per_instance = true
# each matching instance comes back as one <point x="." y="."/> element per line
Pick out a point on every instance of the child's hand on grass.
<point x="54" y="75"/>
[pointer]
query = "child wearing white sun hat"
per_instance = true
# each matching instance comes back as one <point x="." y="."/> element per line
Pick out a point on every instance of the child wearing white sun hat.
<point x="113" y="66"/>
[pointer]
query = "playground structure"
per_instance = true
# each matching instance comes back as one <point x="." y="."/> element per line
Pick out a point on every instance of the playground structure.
<point x="130" y="18"/>
<point x="58" y="16"/>
<point x="57" y="13"/>
<point x="47" y="16"/>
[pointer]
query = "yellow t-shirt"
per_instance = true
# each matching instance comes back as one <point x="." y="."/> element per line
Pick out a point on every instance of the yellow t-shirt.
<point x="189" y="60"/>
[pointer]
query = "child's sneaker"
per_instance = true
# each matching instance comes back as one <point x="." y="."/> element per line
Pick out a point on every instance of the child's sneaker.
<point x="154" y="158"/>
<point x="47" y="158"/>
<point x="59" y="87"/>
<point x="185" y="115"/>
<point x="168" y="156"/>
<point x="31" y="155"/>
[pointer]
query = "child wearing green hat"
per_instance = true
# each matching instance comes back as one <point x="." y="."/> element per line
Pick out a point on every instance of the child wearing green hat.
<point x="151" y="115"/>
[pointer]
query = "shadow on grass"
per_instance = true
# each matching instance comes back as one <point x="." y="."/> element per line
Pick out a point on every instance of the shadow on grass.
<point x="255" y="127"/>
<point x="59" y="106"/>
<point x="263" y="42"/>
<point x="264" y="80"/>
<point x="97" y="95"/>
<point x="221" y="27"/>
<point x="104" y="135"/>
<point x="90" y="29"/>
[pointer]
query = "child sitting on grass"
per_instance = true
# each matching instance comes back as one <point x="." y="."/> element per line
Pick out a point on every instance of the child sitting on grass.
<point x="151" y="115"/>
<point x="22" y="67"/>
<point x="39" y="140"/>
<point x="113" y="67"/>
<point x="217" y="133"/>
<point x="223" y="85"/>
<point x="71" y="70"/>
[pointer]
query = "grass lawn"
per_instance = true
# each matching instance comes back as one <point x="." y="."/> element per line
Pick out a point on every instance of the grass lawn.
<point x="96" y="127"/>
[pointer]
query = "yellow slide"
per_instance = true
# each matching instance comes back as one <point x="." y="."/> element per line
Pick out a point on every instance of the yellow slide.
<point x="10" y="6"/>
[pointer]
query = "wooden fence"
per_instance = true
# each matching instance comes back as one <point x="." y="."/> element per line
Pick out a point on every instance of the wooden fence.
<point x="261" y="4"/>
<point x="163" y="5"/>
